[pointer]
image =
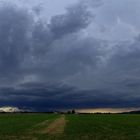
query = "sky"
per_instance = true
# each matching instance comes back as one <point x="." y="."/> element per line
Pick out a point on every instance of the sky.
<point x="82" y="54"/>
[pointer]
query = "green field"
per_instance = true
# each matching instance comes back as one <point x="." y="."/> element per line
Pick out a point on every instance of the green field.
<point x="72" y="127"/>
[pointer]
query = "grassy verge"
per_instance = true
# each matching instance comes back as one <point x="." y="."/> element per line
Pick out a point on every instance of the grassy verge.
<point x="15" y="126"/>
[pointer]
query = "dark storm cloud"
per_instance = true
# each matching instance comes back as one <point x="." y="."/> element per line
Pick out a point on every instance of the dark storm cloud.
<point x="47" y="96"/>
<point x="23" y="40"/>
<point x="73" y="58"/>
<point x="59" y="64"/>
<point x="75" y="19"/>
<point x="14" y="29"/>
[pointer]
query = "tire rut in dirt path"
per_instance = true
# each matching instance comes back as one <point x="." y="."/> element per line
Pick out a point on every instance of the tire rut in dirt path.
<point x="56" y="127"/>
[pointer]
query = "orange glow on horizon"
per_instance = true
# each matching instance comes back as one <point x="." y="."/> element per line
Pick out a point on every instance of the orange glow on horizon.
<point x="106" y="110"/>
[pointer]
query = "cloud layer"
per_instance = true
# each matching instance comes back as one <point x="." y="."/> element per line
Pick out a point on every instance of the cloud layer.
<point x="67" y="62"/>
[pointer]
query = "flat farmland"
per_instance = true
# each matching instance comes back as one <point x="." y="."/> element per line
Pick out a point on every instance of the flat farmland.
<point x="69" y="127"/>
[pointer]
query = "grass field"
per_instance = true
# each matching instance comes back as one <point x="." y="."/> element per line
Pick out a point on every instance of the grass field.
<point x="69" y="127"/>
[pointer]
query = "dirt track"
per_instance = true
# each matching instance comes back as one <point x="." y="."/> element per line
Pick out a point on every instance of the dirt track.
<point x="57" y="126"/>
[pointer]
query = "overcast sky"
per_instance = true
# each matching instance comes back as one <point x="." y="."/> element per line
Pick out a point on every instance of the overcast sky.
<point x="70" y="54"/>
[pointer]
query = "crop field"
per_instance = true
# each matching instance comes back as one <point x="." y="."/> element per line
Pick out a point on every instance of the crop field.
<point x="69" y="127"/>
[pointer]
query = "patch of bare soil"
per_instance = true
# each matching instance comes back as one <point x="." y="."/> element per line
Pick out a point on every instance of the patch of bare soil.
<point x="56" y="127"/>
